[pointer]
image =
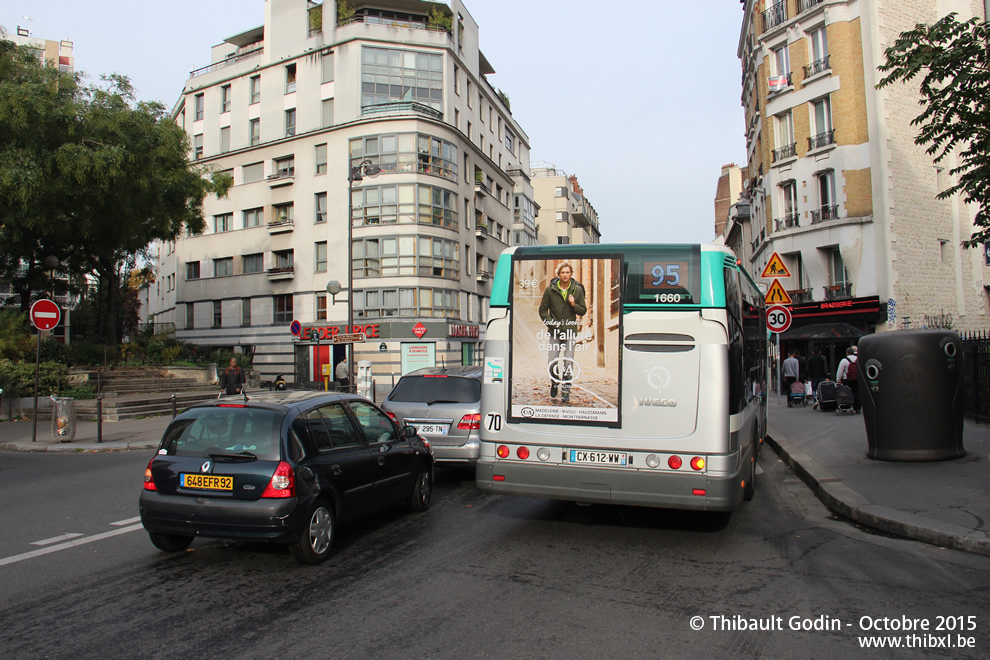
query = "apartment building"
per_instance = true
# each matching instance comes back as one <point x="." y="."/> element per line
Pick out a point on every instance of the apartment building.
<point x="55" y="53"/>
<point x="834" y="182"/>
<point x="377" y="135"/>
<point x="566" y="215"/>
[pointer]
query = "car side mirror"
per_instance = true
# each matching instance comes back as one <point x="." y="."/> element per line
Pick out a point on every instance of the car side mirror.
<point x="408" y="431"/>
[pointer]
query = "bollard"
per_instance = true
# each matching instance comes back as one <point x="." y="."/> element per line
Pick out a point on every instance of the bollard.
<point x="99" y="417"/>
<point x="173" y="407"/>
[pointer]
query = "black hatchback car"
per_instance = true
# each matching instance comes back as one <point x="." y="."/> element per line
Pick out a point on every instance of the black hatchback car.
<point x="286" y="469"/>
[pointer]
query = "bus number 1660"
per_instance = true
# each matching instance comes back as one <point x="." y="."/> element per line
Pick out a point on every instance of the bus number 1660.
<point x="668" y="297"/>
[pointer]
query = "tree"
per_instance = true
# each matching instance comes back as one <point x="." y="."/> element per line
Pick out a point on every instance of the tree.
<point x="90" y="175"/>
<point x="954" y="60"/>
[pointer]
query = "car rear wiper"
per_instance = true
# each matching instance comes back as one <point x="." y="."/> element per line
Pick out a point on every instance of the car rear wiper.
<point x="240" y="456"/>
<point x="430" y="403"/>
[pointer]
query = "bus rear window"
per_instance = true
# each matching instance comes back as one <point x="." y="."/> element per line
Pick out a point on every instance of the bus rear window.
<point x="666" y="276"/>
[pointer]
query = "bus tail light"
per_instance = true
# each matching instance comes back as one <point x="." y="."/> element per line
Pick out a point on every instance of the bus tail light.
<point x="674" y="462"/>
<point x="697" y="463"/>
<point x="523" y="453"/>
<point x="698" y="491"/>
<point x="470" y="422"/>
<point x="502" y="451"/>
<point x="498" y="477"/>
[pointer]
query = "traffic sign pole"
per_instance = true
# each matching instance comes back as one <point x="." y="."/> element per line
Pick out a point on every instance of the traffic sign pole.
<point x="44" y="315"/>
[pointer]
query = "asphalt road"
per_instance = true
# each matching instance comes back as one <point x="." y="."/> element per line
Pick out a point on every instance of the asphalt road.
<point x="475" y="576"/>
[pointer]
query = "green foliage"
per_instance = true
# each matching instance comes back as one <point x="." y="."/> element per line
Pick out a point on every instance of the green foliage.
<point x="344" y="12"/>
<point x="81" y="392"/>
<point x="953" y="61"/>
<point x="53" y="350"/>
<point x="17" y="378"/>
<point x="440" y="20"/>
<point x="316" y="18"/>
<point x="16" y="341"/>
<point x="170" y="353"/>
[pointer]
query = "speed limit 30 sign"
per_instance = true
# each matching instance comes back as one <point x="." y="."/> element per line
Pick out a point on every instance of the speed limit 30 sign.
<point x="778" y="318"/>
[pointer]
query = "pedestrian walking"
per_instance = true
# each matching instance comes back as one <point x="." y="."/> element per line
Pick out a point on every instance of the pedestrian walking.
<point x="792" y="372"/>
<point x="848" y="374"/>
<point x="233" y="378"/>
<point x="817" y="371"/>
<point x="342" y="375"/>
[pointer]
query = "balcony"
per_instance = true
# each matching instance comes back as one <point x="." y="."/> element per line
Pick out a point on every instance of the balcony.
<point x="826" y="212"/>
<point x="774" y="16"/>
<point x="481" y="229"/>
<point x="283" y="177"/>
<point x="233" y="59"/>
<point x="484" y="276"/>
<point x="401" y="108"/>
<point x="805" y="5"/>
<point x="838" y="291"/>
<point x="801" y="296"/>
<point x="281" y="226"/>
<point x="281" y="273"/>
<point x="788" y="151"/>
<point x="393" y="23"/>
<point x="480" y="187"/>
<point x="789" y="220"/>
<point x="821" y="140"/>
<point x="817" y="67"/>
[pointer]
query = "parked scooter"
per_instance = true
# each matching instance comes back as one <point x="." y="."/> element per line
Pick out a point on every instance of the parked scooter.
<point x="279" y="383"/>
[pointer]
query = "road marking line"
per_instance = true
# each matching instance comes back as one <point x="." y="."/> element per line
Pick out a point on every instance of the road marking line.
<point x="129" y="521"/>
<point x="68" y="544"/>
<point x="55" y="539"/>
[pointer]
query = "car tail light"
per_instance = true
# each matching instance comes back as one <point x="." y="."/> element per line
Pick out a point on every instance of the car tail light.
<point x="470" y="422"/>
<point x="434" y="376"/>
<point x="523" y="453"/>
<point x="392" y="415"/>
<point x="502" y="451"/>
<point x="697" y="463"/>
<point x="231" y="405"/>
<point x="283" y="482"/>
<point x="674" y="462"/>
<point x="149" y="481"/>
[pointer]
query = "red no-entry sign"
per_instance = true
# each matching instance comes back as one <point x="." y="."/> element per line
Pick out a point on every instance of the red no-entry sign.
<point x="45" y="314"/>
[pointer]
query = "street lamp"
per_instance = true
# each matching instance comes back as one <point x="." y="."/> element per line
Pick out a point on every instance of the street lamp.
<point x="366" y="167"/>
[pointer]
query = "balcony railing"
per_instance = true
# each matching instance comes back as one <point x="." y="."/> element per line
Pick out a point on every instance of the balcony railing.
<point x="281" y="272"/>
<point x="826" y="212"/>
<point x="280" y="226"/>
<point x="233" y="59"/>
<point x="805" y="5"/>
<point x="775" y="15"/>
<point x="788" y="151"/>
<point x="838" y="291"/>
<point x="801" y="296"/>
<point x="817" y="67"/>
<point x="401" y="108"/>
<point x="821" y="140"/>
<point x="286" y="173"/>
<point x="789" y="220"/>
<point x="482" y="230"/>
<point x="391" y="22"/>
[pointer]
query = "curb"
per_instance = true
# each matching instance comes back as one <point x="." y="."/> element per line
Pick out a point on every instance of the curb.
<point x="77" y="447"/>
<point x="845" y="501"/>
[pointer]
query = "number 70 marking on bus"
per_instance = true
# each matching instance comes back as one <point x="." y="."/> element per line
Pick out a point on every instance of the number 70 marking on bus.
<point x="493" y="421"/>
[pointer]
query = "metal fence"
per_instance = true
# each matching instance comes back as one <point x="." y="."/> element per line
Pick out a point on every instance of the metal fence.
<point x="976" y="376"/>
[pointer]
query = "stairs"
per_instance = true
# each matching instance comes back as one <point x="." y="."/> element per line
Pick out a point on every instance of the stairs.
<point x="135" y="406"/>
<point x="139" y="380"/>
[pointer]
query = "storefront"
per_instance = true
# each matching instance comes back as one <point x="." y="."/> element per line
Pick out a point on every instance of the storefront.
<point x="831" y="326"/>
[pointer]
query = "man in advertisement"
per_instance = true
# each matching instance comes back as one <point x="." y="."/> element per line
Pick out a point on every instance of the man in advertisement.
<point x="562" y="304"/>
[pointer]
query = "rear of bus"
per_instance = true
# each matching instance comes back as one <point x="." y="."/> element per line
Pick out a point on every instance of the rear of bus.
<point x="652" y="418"/>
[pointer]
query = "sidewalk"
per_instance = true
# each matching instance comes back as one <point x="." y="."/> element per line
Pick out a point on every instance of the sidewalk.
<point x="141" y="434"/>
<point x="945" y="503"/>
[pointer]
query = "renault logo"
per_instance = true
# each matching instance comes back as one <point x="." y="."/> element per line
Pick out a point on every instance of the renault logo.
<point x="205" y="467"/>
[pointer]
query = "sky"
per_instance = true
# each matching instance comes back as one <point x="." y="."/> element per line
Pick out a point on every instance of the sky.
<point x="639" y="100"/>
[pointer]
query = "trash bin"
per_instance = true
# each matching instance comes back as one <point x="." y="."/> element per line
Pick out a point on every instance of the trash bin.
<point x="211" y="374"/>
<point x="910" y="385"/>
<point x="63" y="419"/>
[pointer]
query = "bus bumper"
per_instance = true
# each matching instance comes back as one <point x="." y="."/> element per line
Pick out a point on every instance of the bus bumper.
<point x="722" y="492"/>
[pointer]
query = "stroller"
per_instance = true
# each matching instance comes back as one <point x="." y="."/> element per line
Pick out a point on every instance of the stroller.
<point x="843" y="399"/>
<point x="797" y="394"/>
<point x="826" y="395"/>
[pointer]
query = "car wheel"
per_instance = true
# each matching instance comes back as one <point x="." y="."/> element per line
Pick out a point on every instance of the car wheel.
<point x="422" y="491"/>
<point x="170" y="542"/>
<point x="750" y="490"/>
<point x="314" y="543"/>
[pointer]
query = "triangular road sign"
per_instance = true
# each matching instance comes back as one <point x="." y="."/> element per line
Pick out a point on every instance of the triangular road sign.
<point x="776" y="295"/>
<point x="775" y="267"/>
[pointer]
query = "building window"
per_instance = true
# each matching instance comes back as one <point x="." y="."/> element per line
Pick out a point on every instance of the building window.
<point x="245" y="312"/>
<point x="284" y="213"/>
<point x="321" y="257"/>
<point x="837" y="274"/>
<point x="781" y="61"/>
<point x="285" y="166"/>
<point x="789" y="203"/>
<point x="390" y="256"/>
<point x="407" y="152"/>
<point x="282" y="306"/>
<point x="198" y="146"/>
<point x="290" y="122"/>
<point x="561" y="216"/>
<point x="560" y="191"/>
<point x="199" y="104"/>
<point x="510" y="142"/>
<point x="223" y="222"/>
<point x="255" y="87"/>
<point x="217" y="314"/>
<point x="457" y="80"/>
<point x="326" y="66"/>
<point x="405" y="203"/>
<point x="418" y="76"/>
<point x="821" y="130"/>
<point x="253" y="172"/>
<point x="254" y="263"/>
<point x="382" y="303"/>
<point x="223" y="267"/>
<point x="827" y="207"/>
<point x="190" y="316"/>
<point x="787" y="148"/>
<point x="254" y="217"/>
<point x="290" y="78"/>
<point x="563" y="240"/>
<point x="254" y="131"/>
<point x="327" y="113"/>
<point x="943" y="249"/>
<point x="457" y="118"/>
<point x="224" y="98"/>
<point x="819" y="46"/>
<point x="470" y="96"/>
<point x="470" y="131"/>
<point x="321" y="159"/>
<point x="192" y="270"/>
<point x="321" y="207"/>
<point x="321" y="307"/>
<point x="225" y="139"/>
<point x="282" y="260"/>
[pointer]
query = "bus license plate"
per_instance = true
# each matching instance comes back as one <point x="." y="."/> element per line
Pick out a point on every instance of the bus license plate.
<point x="598" y="457"/>
<point x="206" y="481"/>
<point x="433" y="429"/>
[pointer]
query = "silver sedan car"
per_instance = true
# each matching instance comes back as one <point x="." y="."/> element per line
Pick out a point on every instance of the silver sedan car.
<point x="444" y="404"/>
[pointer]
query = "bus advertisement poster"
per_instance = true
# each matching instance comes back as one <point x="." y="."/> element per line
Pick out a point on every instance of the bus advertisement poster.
<point x="565" y="338"/>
